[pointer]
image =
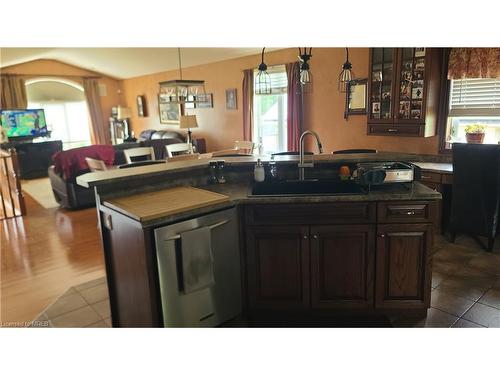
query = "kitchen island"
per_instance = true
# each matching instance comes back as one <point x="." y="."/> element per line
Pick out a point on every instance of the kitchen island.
<point x="301" y="256"/>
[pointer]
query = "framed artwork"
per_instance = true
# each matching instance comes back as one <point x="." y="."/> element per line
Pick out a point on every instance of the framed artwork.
<point x="207" y="101"/>
<point x="170" y="113"/>
<point x="231" y="102"/>
<point x="356" y="97"/>
<point x="141" y="106"/>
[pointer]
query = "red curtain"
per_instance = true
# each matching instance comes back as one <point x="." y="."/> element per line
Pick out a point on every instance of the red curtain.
<point x="247" y="104"/>
<point x="294" y="106"/>
<point x="474" y="63"/>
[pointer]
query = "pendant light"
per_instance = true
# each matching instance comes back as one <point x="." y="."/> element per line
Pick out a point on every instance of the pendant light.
<point x="305" y="74"/>
<point x="262" y="80"/>
<point x="182" y="90"/>
<point x="345" y="75"/>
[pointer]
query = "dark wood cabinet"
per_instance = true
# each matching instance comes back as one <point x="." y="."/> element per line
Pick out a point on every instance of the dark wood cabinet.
<point x="403" y="90"/>
<point x="403" y="269"/>
<point x="278" y="266"/>
<point x="300" y="262"/>
<point x="342" y="265"/>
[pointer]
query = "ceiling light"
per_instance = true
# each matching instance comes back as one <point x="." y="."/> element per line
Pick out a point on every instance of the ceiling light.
<point x="305" y="74"/>
<point x="262" y="80"/>
<point x="345" y="75"/>
<point x="183" y="90"/>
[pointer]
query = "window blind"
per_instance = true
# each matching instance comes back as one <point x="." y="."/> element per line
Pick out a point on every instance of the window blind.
<point x="279" y="80"/>
<point x="475" y="97"/>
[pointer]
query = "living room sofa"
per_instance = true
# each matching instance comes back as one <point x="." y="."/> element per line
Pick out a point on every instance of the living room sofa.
<point x="73" y="196"/>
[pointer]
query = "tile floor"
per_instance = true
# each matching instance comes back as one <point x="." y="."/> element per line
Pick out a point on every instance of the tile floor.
<point x="85" y="305"/>
<point x="465" y="293"/>
<point x="465" y="287"/>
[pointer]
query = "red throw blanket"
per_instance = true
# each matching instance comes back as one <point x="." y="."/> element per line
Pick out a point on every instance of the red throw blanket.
<point x="70" y="163"/>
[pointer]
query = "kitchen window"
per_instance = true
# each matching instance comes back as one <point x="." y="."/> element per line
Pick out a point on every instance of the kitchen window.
<point x="270" y="113"/>
<point x="473" y="100"/>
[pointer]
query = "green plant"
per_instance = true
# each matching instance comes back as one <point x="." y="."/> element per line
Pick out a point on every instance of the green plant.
<point x="475" y="129"/>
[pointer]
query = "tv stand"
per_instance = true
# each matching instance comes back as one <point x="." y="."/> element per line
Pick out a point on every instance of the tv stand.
<point x="34" y="158"/>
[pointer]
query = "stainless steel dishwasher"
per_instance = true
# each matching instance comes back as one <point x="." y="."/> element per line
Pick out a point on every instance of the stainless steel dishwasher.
<point x="211" y="305"/>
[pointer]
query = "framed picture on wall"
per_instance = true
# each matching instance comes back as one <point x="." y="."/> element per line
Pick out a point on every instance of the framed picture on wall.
<point x="141" y="106"/>
<point x="170" y="113"/>
<point x="356" y="98"/>
<point x="231" y="102"/>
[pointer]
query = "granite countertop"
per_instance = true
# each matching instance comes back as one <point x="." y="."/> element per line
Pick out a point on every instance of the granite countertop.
<point x="116" y="176"/>
<point x="240" y="193"/>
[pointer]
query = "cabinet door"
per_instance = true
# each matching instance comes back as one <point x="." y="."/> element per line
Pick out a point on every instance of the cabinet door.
<point x="403" y="269"/>
<point x="278" y="267"/>
<point x="342" y="266"/>
<point x="411" y="86"/>
<point x="382" y="85"/>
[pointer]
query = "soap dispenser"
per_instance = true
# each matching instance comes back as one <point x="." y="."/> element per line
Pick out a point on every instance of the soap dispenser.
<point x="259" y="173"/>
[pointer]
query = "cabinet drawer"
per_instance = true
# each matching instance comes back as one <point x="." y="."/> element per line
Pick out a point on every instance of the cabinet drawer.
<point x="329" y="213"/>
<point x="405" y="212"/>
<point x="396" y="130"/>
<point x="430" y="177"/>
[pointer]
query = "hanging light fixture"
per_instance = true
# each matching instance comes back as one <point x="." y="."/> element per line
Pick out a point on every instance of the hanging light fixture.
<point x="262" y="80"/>
<point x="305" y="74"/>
<point x="345" y="75"/>
<point x="182" y="90"/>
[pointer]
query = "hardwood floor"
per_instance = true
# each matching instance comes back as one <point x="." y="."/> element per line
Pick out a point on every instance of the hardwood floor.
<point x="43" y="254"/>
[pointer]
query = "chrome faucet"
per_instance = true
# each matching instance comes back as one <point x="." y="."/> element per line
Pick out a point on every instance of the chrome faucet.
<point x="310" y="164"/>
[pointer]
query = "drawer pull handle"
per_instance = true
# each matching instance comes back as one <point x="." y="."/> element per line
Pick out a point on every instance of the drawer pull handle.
<point x="213" y="226"/>
<point x="425" y="177"/>
<point x="410" y="213"/>
<point x="392" y="130"/>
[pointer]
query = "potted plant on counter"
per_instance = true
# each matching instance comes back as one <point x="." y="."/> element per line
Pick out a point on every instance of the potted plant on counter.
<point x="474" y="133"/>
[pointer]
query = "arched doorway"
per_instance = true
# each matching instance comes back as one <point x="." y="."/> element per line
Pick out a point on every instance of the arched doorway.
<point x="65" y="109"/>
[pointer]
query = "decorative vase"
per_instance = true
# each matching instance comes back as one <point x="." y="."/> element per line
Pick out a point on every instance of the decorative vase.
<point x="474" y="137"/>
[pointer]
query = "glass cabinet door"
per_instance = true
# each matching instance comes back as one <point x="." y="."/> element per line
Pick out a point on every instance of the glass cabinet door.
<point x="411" y="84"/>
<point x="382" y="75"/>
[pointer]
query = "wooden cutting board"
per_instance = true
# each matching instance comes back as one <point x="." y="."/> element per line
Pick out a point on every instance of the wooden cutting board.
<point x="156" y="204"/>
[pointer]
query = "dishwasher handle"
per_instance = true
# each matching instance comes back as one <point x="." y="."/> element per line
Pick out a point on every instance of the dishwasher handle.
<point x="213" y="226"/>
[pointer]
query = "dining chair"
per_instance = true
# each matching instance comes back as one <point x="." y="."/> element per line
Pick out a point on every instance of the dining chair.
<point x="247" y="146"/>
<point x="96" y="165"/>
<point x="475" y="196"/>
<point x="141" y="153"/>
<point x="356" y="151"/>
<point x="195" y="156"/>
<point x="179" y="149"/>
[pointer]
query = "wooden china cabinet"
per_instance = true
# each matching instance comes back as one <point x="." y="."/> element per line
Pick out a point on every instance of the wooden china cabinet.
<point x="403" y="91"/>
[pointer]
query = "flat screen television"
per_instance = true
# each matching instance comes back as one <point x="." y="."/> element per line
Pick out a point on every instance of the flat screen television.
<point x="24" y="122"/>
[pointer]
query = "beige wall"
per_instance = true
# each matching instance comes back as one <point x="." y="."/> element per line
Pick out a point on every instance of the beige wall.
<point x="324" y="107"/>
<point x="40" y="68"/>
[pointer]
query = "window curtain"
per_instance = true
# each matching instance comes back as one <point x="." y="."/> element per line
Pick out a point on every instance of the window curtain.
<point x="474" y="63"/>
<point x="13" y="92"/>
<point x="247" y="104"/>
<point x="98" y="132"/>
<point x="294" y="106"/>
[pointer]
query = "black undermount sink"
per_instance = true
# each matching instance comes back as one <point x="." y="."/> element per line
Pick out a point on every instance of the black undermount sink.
<point x="307" y="187"/>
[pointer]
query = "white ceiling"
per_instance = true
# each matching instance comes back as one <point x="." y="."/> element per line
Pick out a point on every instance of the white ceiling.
<point x="125" y="62"/>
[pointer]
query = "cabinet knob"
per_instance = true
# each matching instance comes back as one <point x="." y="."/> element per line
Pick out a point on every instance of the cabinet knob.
<point x="305" y="236"/>
<point x="315" y="236"/>
<point x="410" y="213"/>
<point x="382" y="235"/>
